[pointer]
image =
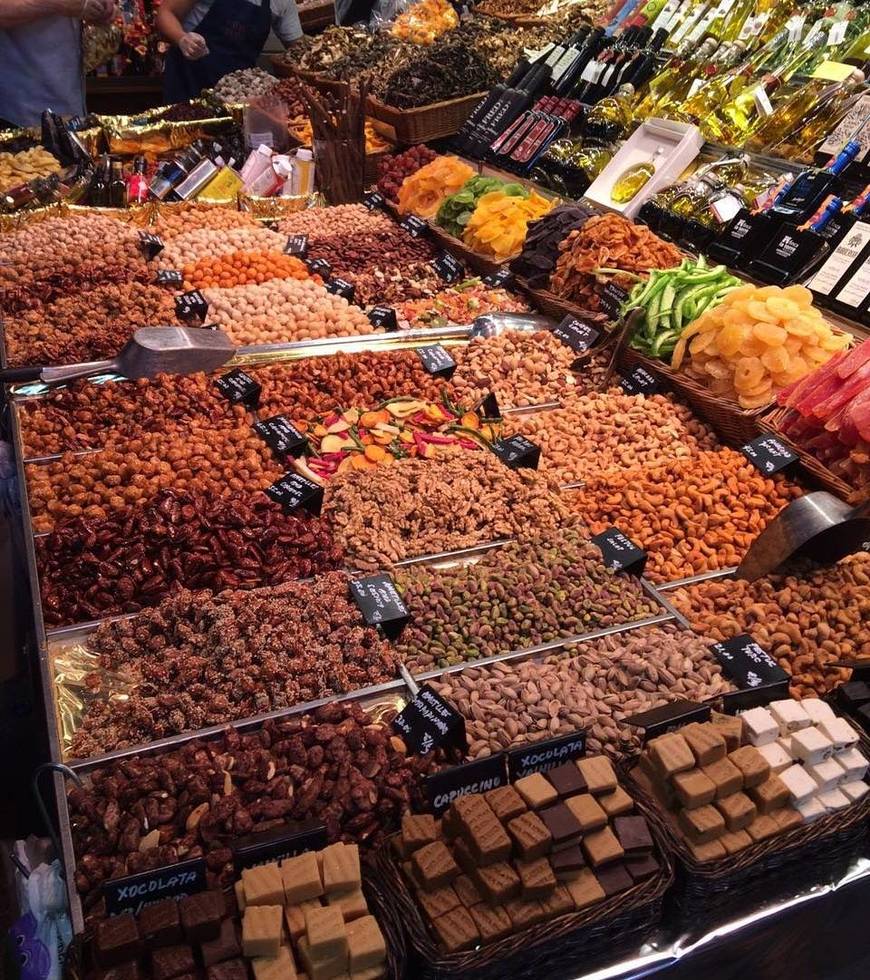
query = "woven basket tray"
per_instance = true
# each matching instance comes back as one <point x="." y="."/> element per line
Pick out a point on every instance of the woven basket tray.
<point x="429" y="122"/>
<point x="558" y="308"/>
<point x="476" y="262"/>
<point x="575" y="941"/>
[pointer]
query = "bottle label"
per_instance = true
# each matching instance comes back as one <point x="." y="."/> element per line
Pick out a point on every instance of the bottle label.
<point x="695" y="87"/>
<point x="795" y="26"/>
<point x="762" y="101"/>
<point x="588" y="72"/>
<point x="725" y="208"/>
<point x="857" y="289"/>
<point x="837" y="33"/>
<point x="842" y="258"/>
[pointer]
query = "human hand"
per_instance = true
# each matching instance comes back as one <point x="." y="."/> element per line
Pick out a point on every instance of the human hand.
<point x="98" y="11"/>
<point x="192" y="46"/>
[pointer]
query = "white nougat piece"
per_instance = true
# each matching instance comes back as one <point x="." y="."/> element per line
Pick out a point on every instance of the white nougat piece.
<point x="818" y="710"/>
<point x="789" y="715"/>
<point x="854" y="790"/>
<point x="799" y="782"/>
<point x="827" y="774"/>
<point x="811" y="809"/>
<point x="811" y="745"/>
<point x="834" y="799"/>
<point x="784" y="742"/>
<point x="759" y="727"/>
<point x="777" y="758"/>
<point x="853" y="764"/>
<point x="840" y="732"/>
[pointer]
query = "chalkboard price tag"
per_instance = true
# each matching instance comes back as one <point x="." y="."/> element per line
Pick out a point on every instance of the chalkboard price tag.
<point x="472" y="777"/>
<point x="379" y="601"/>
<point x="133" y="892"/>
<point x="517" y="453"/>
<point x="448" y="267"/>
<point x="488" y="408"/>
<point x="294" y="490"/>
<point x="281" y="436"/>
<point x="413" y="225"/>
<point x="297" y="245"/>
<point x="669" y="716"/>
<point x="436" y="361"/>
<point x="374" y="200"/>
<point x="639" y="382"/>
<point x="546" y="755"/>
<point x="768" y="455"/>
<point x="750" y="666"/>
<point x="611" y="299"/>
<point x="428" y="722"/>
<point x="500" y="279"/>
<point x="169" y="277"/>
<point x="319" y="267"/>
<point x="341" y="287"/>
<point x="151" y="245"/>
<point x="191" y="306"/>
<point x="383" y="316"/>
<point x="286" y="841"/>
<point x="239" y="388"/>
<point x="620" y="553"/>
<point x="576" y="334"/>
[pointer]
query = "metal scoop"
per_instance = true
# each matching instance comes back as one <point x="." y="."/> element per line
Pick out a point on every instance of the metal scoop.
<point x="818" y="526"/>
<point x="150" y="351"/>
<point x="494" y="324"/>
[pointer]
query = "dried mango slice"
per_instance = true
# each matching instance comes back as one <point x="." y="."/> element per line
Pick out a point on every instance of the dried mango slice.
<point x="776" y="359"/>
<point x="800" y="295"/>
<point x="770" y="334"/>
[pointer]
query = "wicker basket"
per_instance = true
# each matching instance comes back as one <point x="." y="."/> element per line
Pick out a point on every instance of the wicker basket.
<point x="314" y="16"/>
<point x="429" y="122"/>
<point x="552" y="305"/>
<point x="592" y="936"/>
<point x="474" y="260"/>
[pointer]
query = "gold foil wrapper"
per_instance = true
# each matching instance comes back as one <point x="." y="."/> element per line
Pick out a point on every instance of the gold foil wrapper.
<point x="276" y="208"/>
<point x="145" y="135"/>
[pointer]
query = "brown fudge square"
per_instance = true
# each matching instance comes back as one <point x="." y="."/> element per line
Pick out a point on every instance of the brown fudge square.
<point x="770" y="795"/>
<point x="488" y="840"/>
<point x="340" y="867"/>
<point x="536" y="791"/>
<point x="201" y="915"/>
<point x="467" y="891"/>
<point x="735" y="841"/>
<point x="160" y="924"/>
<point x="726" y="776"/>
<point x="230" y="970"/>
<point x="598" y="773"/>
<point x="601" y="846"/>
<point x="707" y="744"/>
<point x="225" y="947"/>
<point x="585" y="889"/>
<point x="261" y="930"/>
<point x="566" y="862"/>
<point x="239" y="892"/>
<point x="671" y="754"/>
<point x="617" y="803"/>
<point x="123" y="971"/>
<point x="438" y="901"/>
<point x="456" y="930"/>
<point x="117" y="939"/>
<point x="366" y="945"/>
<point x="564" y="827"/>
<point x="434" y="865"/>
<point x="558" y="902"/>
<point x="498" y="882"/>
<point x="530" y="835"/>
<point x="633" y="834"/>
<point x="264" y="885"/>
<point x="171" y="961"/>
<point x="737" y="809"/>
<point x="614" y="878"/>
<point x="702" y="824"/>
<point x="468" y="810"/>
<point x="326" y="932"/>
<point x="524" y="912"/>
<point x="762" y="827"/>
<point x="417" y="830"/>
<point x="505" y="802"/>
<point x="730" y="727"/>
<point x="492" y="921"/>
<point x="463" y="856"/>
<point x="694" y="788"/>
<point x="300" y="876"/>
<point x="787" y="818"/>
<point x="536" y="877"/>
<point x="294" y="917"/>
<point x="752" y="764"/>
<point x="567" y="779"/>
<point x="711" y="850"/>
<point x="280" y="967"/>
<point x="588" y="812"/>
<point x="641" y="867"/>
<point x="352" y="903"/>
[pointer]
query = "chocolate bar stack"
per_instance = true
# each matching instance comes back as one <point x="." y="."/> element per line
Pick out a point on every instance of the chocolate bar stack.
<point x="547" y="845"/>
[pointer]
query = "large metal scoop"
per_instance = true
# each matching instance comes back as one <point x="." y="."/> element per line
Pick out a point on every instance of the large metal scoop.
<point x="494" y="324"/>
<point x="818" y="526"/>
<point x="150" y="351"/>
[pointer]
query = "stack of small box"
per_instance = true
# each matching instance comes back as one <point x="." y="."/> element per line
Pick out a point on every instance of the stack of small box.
<point x="501" y="861"/>
<point x="311" y="904"/>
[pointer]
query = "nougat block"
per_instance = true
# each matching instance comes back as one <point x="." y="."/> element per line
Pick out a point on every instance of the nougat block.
<point x="366" y="944"/>
<point x="827" y="775"/>
<point x="263" y="885"/>
<point x="536" y="877"/>
<point x="752" y="765"/>
<point x="703" y="824"/>
<point x="505" y="802"/>
<point x="800" y="784"/>
<point x="434" y="865"/>
<point x="707" y="744"/>
<point x="498" y="882"/>
<point x="492" y="921"/>
<point x="834" y="799"/>
<point x="762" y="827"/>
<point x="261" y="930"/>
<point x="759" y="726"/>
<point x="351" y="903"/>
<point x="734" y="841"/>
<point x="601" y="846"/>
<point x="730" y="727"/>
<point x="585" y="889"/>
<point x="776" y="756"/>
<point x="341" y="867"/>
<point x="326" y="932"/>
<point x="530" y="835"/>
<point x="819" y="710"/>
<point x="617" y="803"/>
<point x="322" y="967"/>
<point x="855" y="790"/>
<point x="301" y="878"/>
<point x="772" y="794"/>
<point x="841" y="734"/>
<point x="294" y="917"/>
<point x="694" y="788"/>
<point x="589" y="813"/>
<point x="417" y="830"/>
<point x="726" y="777"/>
<point x="598" y="773"/>
<point x="790" y="715"/>
<point x="456" y="930"/>
<point x="536" y="790"/>
<point x="280" y="967"/>
<point x="671" y="754"/>
<point x="738" y="810"/>
<point x="812" y="745"/>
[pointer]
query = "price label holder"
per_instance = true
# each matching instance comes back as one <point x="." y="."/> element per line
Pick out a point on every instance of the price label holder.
<point x="133" y="892"/>
<point x="379" y="601"/>
<point x="500" y="279"/>
<point x="488" y="407"/>
<point x="576" y="334"/>
<point x="436" y="361"/>
<point x="169" y="277"/>
<point x="383" y="316"/>
<point x="285" y="841"/>
<point x="319" y="267"/>
<point x="341" y="287"/>
<point x="639" y="382"/>
<point x="768" y="455"/>
<point x="758" y="676"/>
<point x="151" y="245"/>
<point x="191" y="306"/>
<point x="620" y="553"/>
<point x="281" y="436"/>
<point x="293" y="491"/>
<point x="669" y="716"/>
<point x="448" y="267"/>
<point x="517" y="452"/>
<point x="239" y="388"/>
<point x="297" y="245"/>
<point x="413" y="225"/>
<point x="611" y="299"/>
<point x="472" y="777"/>
<point x="428" y="722"/>
<point x="546" y="755"/>
<point x="374" y="200"/>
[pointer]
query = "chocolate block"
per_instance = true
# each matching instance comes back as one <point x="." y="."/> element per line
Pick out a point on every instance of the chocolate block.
<point x="456" y="930"/>
<point x="498" y="882"/>
<point x="171" y="961"/>
<point x="694" y="788"/>
<point x="530" y="835"/>
<point x="536" y="877"/>
<point x="601" y="847"/>
<point x="703" y="824"/>
<point x="239" y="892"/>
<point x="617" y="803"/>
<point x="464" y="857"/>
<point x="641" y="867"/>
<point x="598" y="773"/>
<point x="225" y="947"/>
<point x="492" y="921"/>
<point x="438" y="901"/>
<point x="738" y="810"/>
<point x="614" y="878"/>
<point x="467" y="891"/>
<point x="558" y="902"/>
<point x="633" y="834"/>
<point x="585" y="889"/>
<point x="201" y="915"/>
<point x="770" y="795"/>
<point x="488" y="840"/>
<point x="505" y="802"/>
<point x="671" y="754"/>
<point x="711" y="850"/>
<point x="117" y="940"/>
<point x="536" y="791"/>
<point x="587" y="812"/>
<point x="730" y="727"/>
<point x="571" y="859"/>
<point x="124" y="971"/>
<point x="562" y="824"/>
<point x="752" y="764"/>
<point x="735" y="840"/>
<point x="524" y="912"/>
<point x="434" y="865"/>
<point x="567" y="779"/>
<point x="707" y="744"/>
<point x="417" y="830"/>
<point x="726" y="776"/>
<point x="160" y="924"/>
<point x="229" y="970"/>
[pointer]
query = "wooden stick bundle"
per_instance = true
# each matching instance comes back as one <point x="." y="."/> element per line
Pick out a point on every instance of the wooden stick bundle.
<point x="338" y="125"/>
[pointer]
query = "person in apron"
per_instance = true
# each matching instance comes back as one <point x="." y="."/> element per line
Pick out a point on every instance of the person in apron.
<point x="234" y="33"/>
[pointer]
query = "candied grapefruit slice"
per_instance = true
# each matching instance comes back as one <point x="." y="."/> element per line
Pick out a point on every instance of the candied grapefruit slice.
<point x="770" y="334"/>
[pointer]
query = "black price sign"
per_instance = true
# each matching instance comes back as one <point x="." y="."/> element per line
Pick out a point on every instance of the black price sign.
<point x="319" y="267"/>
<point x="546" y="755"/>
<point x="285" y="841"/>
<point x="768" y="454"/>
<point x="191" y="306"/>
<point x="620" y="553"/>
<point x="500" y="279"/>
<point x="517" y="453"/>
<point x="132" y="893"/>
<point x="281" y="436"/>
<point x="294" y="490"/>
<point x="428" y="722"/>
<point x="448" y="267"/>
<point x="297" y="245"/>
<point x="752" y="669"/>
<point x="669" y="716"/>
<point x="169" y="277"/>
<point x="639" y="382"/>
<point x="579" y="336"/>
<point x="151" y="245"/>
<point x="488" y="408"/>
<point x="473" y="777"/>
<point x="374" y="200"/>
<point x="437" y="361"/>
<point x="341" y="287"/>
<point x="413" y="225"/>
<point x="383" y="316"/>
<point x="239" y="388"/>
<point x="611" y="299"/>
<point x="379" y="601"/>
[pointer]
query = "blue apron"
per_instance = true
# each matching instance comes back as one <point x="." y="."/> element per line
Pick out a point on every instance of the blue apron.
<point x="235" y="32"/>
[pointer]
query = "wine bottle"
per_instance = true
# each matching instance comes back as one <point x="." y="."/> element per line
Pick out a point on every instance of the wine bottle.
<point x="795" y="251"/>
